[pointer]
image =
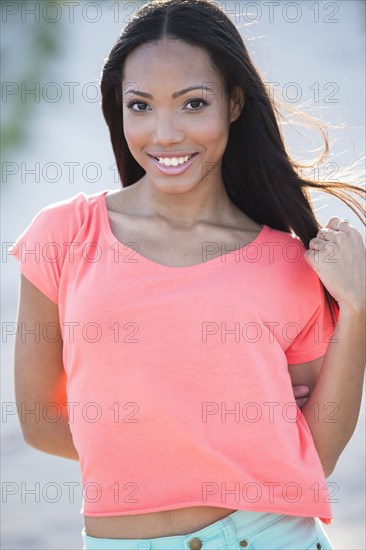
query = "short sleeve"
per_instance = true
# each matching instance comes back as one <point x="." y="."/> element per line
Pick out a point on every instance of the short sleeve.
<point x="313" y="321"/>
<point x="43" y="246"/>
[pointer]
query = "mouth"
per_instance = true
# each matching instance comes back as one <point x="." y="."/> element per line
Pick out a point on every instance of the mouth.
<point x="173" y="161"/>
<point x="173" y="165"/>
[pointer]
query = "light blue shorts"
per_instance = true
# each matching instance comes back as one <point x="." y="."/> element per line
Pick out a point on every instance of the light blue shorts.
<point x="241" y="529"/>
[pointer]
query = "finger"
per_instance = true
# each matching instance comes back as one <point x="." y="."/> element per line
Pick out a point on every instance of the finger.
<point x="326" y="234"/>
<point x="334" y="222"/>
<point x="317" y="243"/>
<point x="300" y="391"/>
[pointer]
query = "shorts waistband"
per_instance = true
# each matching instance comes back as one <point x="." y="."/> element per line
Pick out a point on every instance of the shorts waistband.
<point x="225" y="531"/>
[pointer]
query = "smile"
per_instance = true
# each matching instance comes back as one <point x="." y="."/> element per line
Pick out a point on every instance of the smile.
<point x="173" y="161"/>
<point x="173" y="165"/>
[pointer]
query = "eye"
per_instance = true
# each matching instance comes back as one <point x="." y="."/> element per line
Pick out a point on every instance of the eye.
<point x="196" y="100"/>
<point x="131" y="104"/>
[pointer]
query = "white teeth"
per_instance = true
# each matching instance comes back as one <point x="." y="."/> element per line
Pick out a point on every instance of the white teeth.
<point x="174" y="161"/>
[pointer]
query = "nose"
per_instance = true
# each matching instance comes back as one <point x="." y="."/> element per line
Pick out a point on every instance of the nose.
<point x="166" y="129"/>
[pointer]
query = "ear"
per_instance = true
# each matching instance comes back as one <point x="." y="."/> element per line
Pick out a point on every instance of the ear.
<point x="237" y="102"/>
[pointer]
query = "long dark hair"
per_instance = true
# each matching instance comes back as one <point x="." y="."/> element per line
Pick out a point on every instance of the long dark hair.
<point x="259" y="176"/>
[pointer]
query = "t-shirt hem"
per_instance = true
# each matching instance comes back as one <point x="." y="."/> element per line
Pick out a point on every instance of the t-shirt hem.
<point x="324" y="518"/>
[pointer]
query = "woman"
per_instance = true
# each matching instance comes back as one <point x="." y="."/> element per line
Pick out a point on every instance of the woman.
<point x="181" y="383"/>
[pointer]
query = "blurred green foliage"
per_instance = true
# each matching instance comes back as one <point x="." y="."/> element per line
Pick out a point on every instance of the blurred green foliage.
<point x="40" y="42"/>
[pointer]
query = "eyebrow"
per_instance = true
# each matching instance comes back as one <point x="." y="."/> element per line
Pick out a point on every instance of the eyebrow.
<point x="175" y="94"/>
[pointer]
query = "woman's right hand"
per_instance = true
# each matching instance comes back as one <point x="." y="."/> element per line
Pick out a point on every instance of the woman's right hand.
<point x="301" y="394"/>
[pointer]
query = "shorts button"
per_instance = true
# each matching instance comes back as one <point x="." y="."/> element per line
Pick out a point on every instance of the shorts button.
<point x="243" y="543"/>
<point x="195" y="544"/>
<point x="318" y="545"/>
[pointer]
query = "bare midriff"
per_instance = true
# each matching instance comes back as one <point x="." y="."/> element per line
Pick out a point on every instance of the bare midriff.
<point x="181" y="521"/>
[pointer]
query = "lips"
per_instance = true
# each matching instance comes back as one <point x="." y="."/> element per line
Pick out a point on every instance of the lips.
<point x="173" y="170"/>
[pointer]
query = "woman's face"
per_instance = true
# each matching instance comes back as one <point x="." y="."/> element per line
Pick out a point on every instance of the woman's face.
<point x="172" y="123"/>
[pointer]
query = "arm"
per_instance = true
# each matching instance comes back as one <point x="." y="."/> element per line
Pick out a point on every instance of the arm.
<point x="332" y="409"/>
<point x="338" y="256"/>
<point x="39" y="374"/>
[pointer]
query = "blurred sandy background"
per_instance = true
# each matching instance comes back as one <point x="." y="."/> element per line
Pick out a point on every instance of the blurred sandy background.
<point x="313" y="51"/>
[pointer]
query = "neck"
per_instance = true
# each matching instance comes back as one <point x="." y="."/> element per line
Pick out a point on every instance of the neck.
<point x="207" y="202"/>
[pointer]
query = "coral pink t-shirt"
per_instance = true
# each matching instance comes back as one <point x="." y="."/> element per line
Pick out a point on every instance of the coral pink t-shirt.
<point x="177" y="377"/>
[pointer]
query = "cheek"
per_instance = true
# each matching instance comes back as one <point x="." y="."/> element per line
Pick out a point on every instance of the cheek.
<point x="213" y="127"/>
<point x="213" y="132"/>
<point x="134" y="131"/>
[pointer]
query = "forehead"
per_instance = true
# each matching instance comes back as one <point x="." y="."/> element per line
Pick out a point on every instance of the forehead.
<point x="169" y="62"/>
